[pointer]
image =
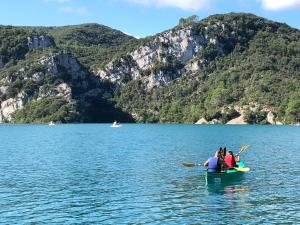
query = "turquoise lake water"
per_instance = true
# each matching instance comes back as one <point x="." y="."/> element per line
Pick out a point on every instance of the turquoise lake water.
<point x="82" y="174"/>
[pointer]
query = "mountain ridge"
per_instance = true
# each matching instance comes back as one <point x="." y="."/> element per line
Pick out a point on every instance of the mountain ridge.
<point x="208" y="68"/>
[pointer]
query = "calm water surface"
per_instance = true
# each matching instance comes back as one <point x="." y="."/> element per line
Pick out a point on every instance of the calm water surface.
<point x="81" y="174"/>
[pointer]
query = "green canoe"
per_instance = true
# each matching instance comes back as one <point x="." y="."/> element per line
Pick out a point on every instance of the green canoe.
<point x="228" y="176"/>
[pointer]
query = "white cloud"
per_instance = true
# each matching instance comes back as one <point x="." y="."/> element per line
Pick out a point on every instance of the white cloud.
<point x="189" y="5"/>
<point x="78" y="10"/>
<point x="280" y="4"/>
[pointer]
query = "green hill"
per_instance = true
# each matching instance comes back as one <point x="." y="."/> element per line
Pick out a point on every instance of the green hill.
<point x="217" y="68"/>
<point x="259" y="70"/>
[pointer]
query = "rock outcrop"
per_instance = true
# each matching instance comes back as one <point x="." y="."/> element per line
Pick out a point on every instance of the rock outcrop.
<point x="40" y="42"/>
<point x="239" y="120"/>
<point x="270" y="118"/>
<point x="67" y="64"/>
<point x="202" y="121"/>
<point x="10" y="105"/>
<point x="165" y="58"/>
<point x="70" y="80"/>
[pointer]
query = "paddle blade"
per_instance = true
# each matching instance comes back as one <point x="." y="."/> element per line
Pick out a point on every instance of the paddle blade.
<point x="244" y="148"/>
<point x="188" y="164"/>
<point x="242" y="169"/>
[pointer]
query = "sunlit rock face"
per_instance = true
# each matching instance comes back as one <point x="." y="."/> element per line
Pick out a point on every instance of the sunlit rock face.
<point x="67" y="75"/>
<point x="153" y="62"/>
<point x="40" y="42"/>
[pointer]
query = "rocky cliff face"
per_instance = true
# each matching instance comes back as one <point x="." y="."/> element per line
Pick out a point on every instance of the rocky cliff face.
<point x="156" y="58"/>
<point x="67" y="80"/>
<point x="59" y="63"/>
<point x="40" y="42"/>
<point x="11" y="105"/>
<point x="192" y="71"/>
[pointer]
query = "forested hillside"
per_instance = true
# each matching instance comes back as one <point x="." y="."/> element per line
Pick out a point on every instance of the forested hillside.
<point x="218" y="69"/>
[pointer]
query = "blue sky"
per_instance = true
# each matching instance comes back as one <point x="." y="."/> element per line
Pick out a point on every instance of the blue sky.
<point x="138" y="17"/>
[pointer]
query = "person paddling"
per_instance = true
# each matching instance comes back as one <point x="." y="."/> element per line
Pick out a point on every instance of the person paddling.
<point x="213" y="163"/>
<point x="237" y="156"/>
<point x="222" y="163"/>
<point x="222" y="152"/>
<point x="230" y="160"/>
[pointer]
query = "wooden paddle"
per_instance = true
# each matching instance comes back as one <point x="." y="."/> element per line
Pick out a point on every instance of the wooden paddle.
<point x="189" y="164"/>
<point x="242" y="169"/>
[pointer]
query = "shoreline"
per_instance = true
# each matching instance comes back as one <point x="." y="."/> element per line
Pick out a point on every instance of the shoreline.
<point x="208" y="124"/>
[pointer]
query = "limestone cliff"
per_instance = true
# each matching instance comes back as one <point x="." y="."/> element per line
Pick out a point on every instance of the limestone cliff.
<point x="39" y="42"/>
<point x="57" y="75"/>
<point x="168" y="56"/>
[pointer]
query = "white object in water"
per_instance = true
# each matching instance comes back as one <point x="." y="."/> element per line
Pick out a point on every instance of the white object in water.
<point x="115" y="124"/>
<point x="51" y="123"/>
